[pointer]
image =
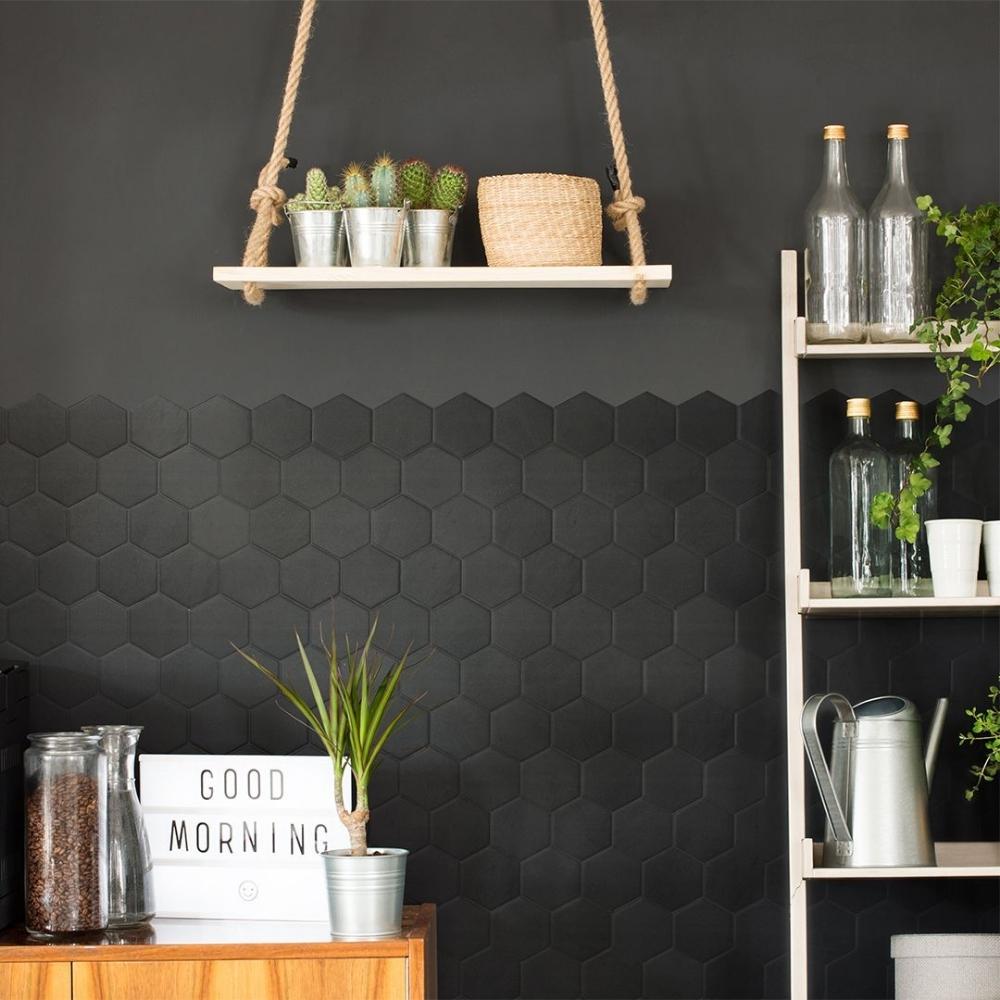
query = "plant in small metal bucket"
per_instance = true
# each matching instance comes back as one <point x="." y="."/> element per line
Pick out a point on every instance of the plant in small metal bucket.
<point x="376" y="213"/>
<point x="353" y="722"/>
<point x="434" y="198"/>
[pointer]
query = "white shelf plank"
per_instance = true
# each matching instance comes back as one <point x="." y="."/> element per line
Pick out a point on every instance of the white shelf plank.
<point x="815" y="600"/>
<point x="871" y="351"/>
<point x="303" y="278"/>
<point x="972" y="859"/>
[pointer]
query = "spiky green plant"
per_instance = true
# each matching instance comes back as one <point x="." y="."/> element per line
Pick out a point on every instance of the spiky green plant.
<point x="415" y="181"/>
<point x="353" y="723"/>
<point x="355" y="189"/>
<point x="334" y="200"/>
<point x="383" y="179"/>
<point x="316" y="186"/>
<point x="297" y="204"/>
<point x="449" y="187"/>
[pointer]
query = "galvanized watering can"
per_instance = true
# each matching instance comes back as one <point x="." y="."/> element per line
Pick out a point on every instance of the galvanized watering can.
<point x="876" y="796"/>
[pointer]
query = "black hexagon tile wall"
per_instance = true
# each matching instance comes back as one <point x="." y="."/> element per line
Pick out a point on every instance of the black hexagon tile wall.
<point x="592" y="785"/>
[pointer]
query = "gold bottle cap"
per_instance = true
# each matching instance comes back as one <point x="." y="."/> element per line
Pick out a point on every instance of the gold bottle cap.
<point x="859" y="407"/>
<point x="834" y="132"/>
<point x="898" y="131"/>
<point x="907" y="410"/>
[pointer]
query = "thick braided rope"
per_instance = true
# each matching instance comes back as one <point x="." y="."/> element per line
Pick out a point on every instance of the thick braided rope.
<point x="267" y="197"/>
<point x="625" y="207"/>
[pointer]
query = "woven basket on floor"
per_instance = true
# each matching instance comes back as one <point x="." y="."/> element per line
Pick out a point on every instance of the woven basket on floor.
<point x="540" y="220"/>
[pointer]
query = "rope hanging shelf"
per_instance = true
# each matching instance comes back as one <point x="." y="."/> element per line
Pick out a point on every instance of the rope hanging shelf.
<point x="267" y="199"/>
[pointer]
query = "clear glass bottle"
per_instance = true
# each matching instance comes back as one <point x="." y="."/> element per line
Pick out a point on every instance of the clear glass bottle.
<point x="911" y="566"/>
<point x="859" y="551"/>
<point x="897" y="251"/>
<point x="835" y="268"/>
<point x="130" y="868"/>
<point x="65" y="834"/>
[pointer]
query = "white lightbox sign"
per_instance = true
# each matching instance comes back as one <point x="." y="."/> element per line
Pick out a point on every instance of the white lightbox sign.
<point x="240" y="838"/>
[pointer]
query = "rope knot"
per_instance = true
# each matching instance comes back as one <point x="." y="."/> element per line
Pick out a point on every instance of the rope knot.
<point x="268" y="198"/>
<point x="620" y="209"/>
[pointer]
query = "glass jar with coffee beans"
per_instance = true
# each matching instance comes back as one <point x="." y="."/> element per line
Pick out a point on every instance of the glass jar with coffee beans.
<point x="65" y="831"/>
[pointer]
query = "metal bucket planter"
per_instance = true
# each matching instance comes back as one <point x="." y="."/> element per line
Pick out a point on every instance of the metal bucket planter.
<point x="430" y="235"/>
<point x="365" y="894"/>
<point x="318" y="238"/>
<point x="375" y="236"/>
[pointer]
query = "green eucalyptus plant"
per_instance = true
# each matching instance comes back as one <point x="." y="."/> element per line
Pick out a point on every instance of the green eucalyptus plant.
<point x="353" y="722"/>
<point x="968" y="300"/>
<point x="985" y="730"/>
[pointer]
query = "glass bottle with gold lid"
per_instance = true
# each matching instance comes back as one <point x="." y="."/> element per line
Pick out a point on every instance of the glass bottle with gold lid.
<point x="911" y="566"/>
<point x="835" y="268"/>
<point x="859" y="550"/>
<point x="897" y="250"/>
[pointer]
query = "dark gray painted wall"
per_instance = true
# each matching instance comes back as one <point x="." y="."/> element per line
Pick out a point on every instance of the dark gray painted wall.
<point x="133" y="133"/>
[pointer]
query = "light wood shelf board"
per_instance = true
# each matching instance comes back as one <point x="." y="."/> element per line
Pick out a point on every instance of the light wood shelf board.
<point x="972" y="859"/>
<point x="870" y="351"/>
<point x="307" y="278"/>
<point x="815" y="600"/>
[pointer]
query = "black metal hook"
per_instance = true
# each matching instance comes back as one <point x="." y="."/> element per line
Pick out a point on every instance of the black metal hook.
<point x="612" y="171"/>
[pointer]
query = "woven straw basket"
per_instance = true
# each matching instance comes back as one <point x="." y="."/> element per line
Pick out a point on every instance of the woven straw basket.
<point x="540" y="220"/>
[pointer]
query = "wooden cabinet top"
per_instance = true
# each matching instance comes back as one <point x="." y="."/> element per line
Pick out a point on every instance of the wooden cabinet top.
<point x="218" y="939"/>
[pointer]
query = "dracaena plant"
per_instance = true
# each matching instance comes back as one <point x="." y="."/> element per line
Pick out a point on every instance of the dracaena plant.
<point x="353" y="722"/>
<point x="984" y="733"/>
<point x="968" y="300"/>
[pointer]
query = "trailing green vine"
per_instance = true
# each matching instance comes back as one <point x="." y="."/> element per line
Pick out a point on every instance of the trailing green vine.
<point x="985" y="729"/>
<point x="969" y="298"/>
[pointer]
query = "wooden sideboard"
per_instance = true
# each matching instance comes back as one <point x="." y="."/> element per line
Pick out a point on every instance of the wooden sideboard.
<point x="224" y="960"/>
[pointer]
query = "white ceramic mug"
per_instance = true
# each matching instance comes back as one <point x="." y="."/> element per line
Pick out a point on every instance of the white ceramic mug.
<point x="954" y="546"/>
<point x="991" y="545"/>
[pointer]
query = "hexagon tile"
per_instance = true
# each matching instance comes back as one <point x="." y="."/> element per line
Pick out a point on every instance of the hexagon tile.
<point x="592" y="787"/>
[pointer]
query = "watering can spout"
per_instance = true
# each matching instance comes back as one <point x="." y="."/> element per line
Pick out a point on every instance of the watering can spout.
<point x="934" y="739"/>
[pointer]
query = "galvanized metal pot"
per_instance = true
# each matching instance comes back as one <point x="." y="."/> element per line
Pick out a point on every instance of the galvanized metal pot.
<point x="430" y="235"/>
<point x="375" y="236"/>
<point x="365" y="894"/>
<point x="318" y="238"/>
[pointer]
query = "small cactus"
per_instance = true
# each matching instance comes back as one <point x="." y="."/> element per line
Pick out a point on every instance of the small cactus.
<point x="296" y="204"/>
<point x="449" y="187"/>
<point x="316" y="186"/>
<point x="415" y="180"/>
<point x="333" y="199"/>
<point x="384" y="182"/>
<point x="355" y="189"/>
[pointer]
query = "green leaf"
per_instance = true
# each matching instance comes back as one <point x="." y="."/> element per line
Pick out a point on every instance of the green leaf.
<point x="883" y="507"/>
<point x="943" y="435"/>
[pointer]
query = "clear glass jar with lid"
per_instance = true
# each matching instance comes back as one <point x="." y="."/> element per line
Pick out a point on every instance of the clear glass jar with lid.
<point x="65" y="828"/>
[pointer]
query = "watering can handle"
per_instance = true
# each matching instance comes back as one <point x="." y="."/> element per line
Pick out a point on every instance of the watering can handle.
<point x="820" y="768"/>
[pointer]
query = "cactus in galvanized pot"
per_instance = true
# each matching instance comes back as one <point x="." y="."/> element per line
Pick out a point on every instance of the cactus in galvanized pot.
<point x="383" y="180"/>
<point x="415" y="180"/>
<point x="449" y="187"/>
<point x="356" y="191"/>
